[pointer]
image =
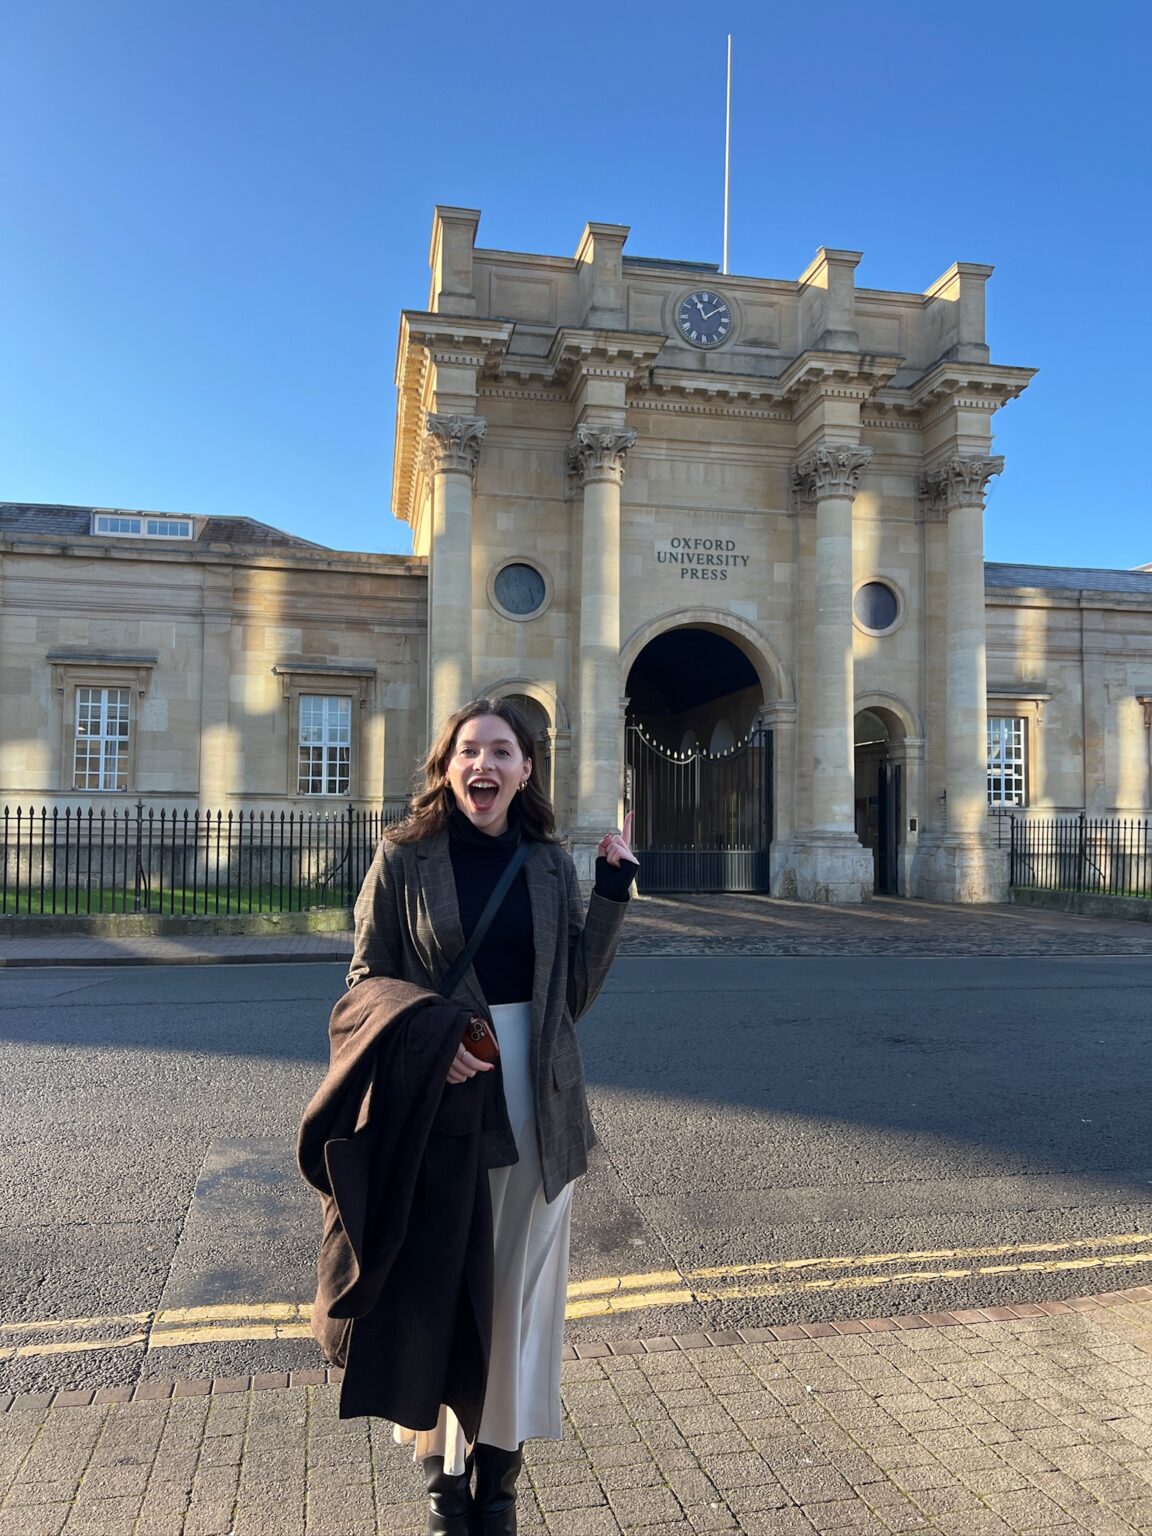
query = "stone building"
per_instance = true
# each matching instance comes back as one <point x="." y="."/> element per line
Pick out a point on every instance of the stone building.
<point x="721" y="536"/>
<point x="203" y="661"/>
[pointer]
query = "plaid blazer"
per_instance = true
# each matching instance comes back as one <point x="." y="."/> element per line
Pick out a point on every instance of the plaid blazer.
<point x="408" y="927"/>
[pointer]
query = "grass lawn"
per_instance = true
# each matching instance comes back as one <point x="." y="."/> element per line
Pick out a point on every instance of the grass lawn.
<point x="176" y="901"/>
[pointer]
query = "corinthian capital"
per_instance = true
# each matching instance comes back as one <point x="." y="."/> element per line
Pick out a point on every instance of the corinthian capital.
<point x="597" y="453"/>
<point x="452" y="443"/>
<point x="960" y="482"/>
<point x="833" y="470"/>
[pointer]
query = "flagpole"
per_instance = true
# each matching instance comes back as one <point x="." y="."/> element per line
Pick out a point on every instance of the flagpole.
<point x="727" y="150"/>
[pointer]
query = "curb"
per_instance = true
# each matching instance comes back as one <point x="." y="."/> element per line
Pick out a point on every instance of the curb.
<point x="784" y="1333"/>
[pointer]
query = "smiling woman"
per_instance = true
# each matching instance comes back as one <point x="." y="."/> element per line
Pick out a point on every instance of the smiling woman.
<point x="473" y="898"/>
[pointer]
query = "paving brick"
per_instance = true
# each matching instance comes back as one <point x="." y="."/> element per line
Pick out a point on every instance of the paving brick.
<point x="100" y="1517"/>
<point x="191" y="1389"/>
<point x="225" y="1385"/>
<point x="265" y="1381"/>
<point x="112" y="1395"/>
<point x="635" y="1508"/>
<point x="39" y="1520"/>
<point x="780" y="1522"/>
<point x="584" y="1522"/>
<point x="151" y="1391"/>
<point x="692" y="1340"/>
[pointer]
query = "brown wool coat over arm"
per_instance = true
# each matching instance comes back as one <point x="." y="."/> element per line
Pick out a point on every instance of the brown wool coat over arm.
<point x="397" y="1159"/>
<point x="408" y="927"/>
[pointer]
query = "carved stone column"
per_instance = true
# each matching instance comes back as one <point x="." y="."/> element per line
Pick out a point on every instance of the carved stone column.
<point x="965" y="868"/>
<point x="910" y="753"/>
<point x="596" y="463"/>
<point x="830" y="864"/>
<point x="779" y="717"/>
<point x="452" y="445"/>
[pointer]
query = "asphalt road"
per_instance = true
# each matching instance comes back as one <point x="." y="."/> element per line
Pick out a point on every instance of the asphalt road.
<point x="783" y="1140"/>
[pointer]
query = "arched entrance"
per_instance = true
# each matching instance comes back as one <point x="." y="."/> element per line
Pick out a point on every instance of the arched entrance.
<point x="537" y="717"/>
<point x="548" y="724"/>
<point x="880" y="793"/>
<point x="698" y="764"/>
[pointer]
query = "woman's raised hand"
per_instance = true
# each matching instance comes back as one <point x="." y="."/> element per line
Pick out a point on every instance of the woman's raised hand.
<point x="616" y="846"/>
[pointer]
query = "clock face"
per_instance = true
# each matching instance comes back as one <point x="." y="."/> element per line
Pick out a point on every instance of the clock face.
<point x="704" y="319"/>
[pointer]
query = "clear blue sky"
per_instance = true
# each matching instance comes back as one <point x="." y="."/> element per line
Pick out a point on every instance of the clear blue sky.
<point x="214" y="211"/>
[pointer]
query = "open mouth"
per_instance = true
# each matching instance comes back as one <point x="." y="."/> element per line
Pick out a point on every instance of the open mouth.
<point x="482" y="794"/>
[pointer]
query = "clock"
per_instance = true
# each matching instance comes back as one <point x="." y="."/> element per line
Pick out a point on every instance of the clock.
<point x="704" y="319"/>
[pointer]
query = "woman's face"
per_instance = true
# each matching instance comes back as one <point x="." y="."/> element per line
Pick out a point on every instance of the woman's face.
<point x="486" y="770"/>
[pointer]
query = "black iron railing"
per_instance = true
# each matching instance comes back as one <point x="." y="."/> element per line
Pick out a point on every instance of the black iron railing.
<point x="61" y="860"/>
<point x="1110" y="856"/>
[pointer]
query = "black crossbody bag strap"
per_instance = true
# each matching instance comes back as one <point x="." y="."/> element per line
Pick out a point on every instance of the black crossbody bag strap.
<point x="495" y="902"/>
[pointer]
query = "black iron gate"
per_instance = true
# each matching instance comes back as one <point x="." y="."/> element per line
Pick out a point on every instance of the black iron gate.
<point x="702" y="821"/>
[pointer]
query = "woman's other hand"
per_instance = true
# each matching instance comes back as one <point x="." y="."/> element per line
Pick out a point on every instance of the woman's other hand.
<point x="465" y="1065"/>
<point x="616" y="846"/>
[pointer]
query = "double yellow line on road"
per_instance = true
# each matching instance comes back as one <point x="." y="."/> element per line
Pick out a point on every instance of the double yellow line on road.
<point x="179" y="1327"/>
<point x="796" y="1277"/>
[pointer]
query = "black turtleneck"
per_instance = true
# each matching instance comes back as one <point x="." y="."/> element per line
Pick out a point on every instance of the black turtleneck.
<point x="505" y="960"/>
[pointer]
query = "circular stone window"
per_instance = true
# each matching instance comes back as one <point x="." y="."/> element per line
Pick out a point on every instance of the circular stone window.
<point x="519" y="590"/>
<point x="876" y="607"/>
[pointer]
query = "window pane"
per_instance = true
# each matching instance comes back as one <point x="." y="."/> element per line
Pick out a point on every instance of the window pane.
<point x="876" y="606"/>
<point x="325" y="750"/>
<point x="520" y="589"/>
<point x="100" y="759"/>
<point x="1006" y="760"/>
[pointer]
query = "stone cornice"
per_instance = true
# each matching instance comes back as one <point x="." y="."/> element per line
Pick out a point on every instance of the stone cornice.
<point x="833" y="469"/>
<point x="626" y="355"/>
<point x="709" y="406"/>
<point x="428" y="341"/>
<point x="706" y="385"/>
<point x="451" y="338"/>
<point x="979" y="386"/>
<point x="837" y="375"/>
<point x="239" y="558"/>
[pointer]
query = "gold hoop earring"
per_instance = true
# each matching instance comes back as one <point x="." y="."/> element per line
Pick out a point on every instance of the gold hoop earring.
<point x="523" y="785"/>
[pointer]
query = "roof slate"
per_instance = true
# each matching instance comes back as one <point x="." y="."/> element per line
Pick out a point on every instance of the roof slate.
<point x="1061" y="578"/>
<point x="76" y="522"/>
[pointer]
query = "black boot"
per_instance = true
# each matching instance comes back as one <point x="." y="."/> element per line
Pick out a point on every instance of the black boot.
<point x="449" y="1501"/>
<point x="494" y="1502"/>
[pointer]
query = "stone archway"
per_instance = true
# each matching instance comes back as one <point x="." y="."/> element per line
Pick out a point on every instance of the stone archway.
<point x="775" y="681"/>
<point x="776" y="716"/>
<point x="888" y="753"/>
<point x="698" y="762"/>
<point x="548" y="717"/>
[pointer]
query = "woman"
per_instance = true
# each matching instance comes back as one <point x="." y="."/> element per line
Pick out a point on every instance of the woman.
<point x="538" y="968"/>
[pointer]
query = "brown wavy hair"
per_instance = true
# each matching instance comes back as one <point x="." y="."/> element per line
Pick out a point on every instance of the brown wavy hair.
<point x="433" y="800"/>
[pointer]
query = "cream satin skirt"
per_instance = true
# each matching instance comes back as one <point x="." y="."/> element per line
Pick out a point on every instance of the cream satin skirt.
<point x="531" y="1243"/>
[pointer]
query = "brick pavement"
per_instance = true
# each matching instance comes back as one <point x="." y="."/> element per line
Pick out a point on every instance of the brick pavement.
<point x="689" y="925"/>
<point x="1041" y="1422"/>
